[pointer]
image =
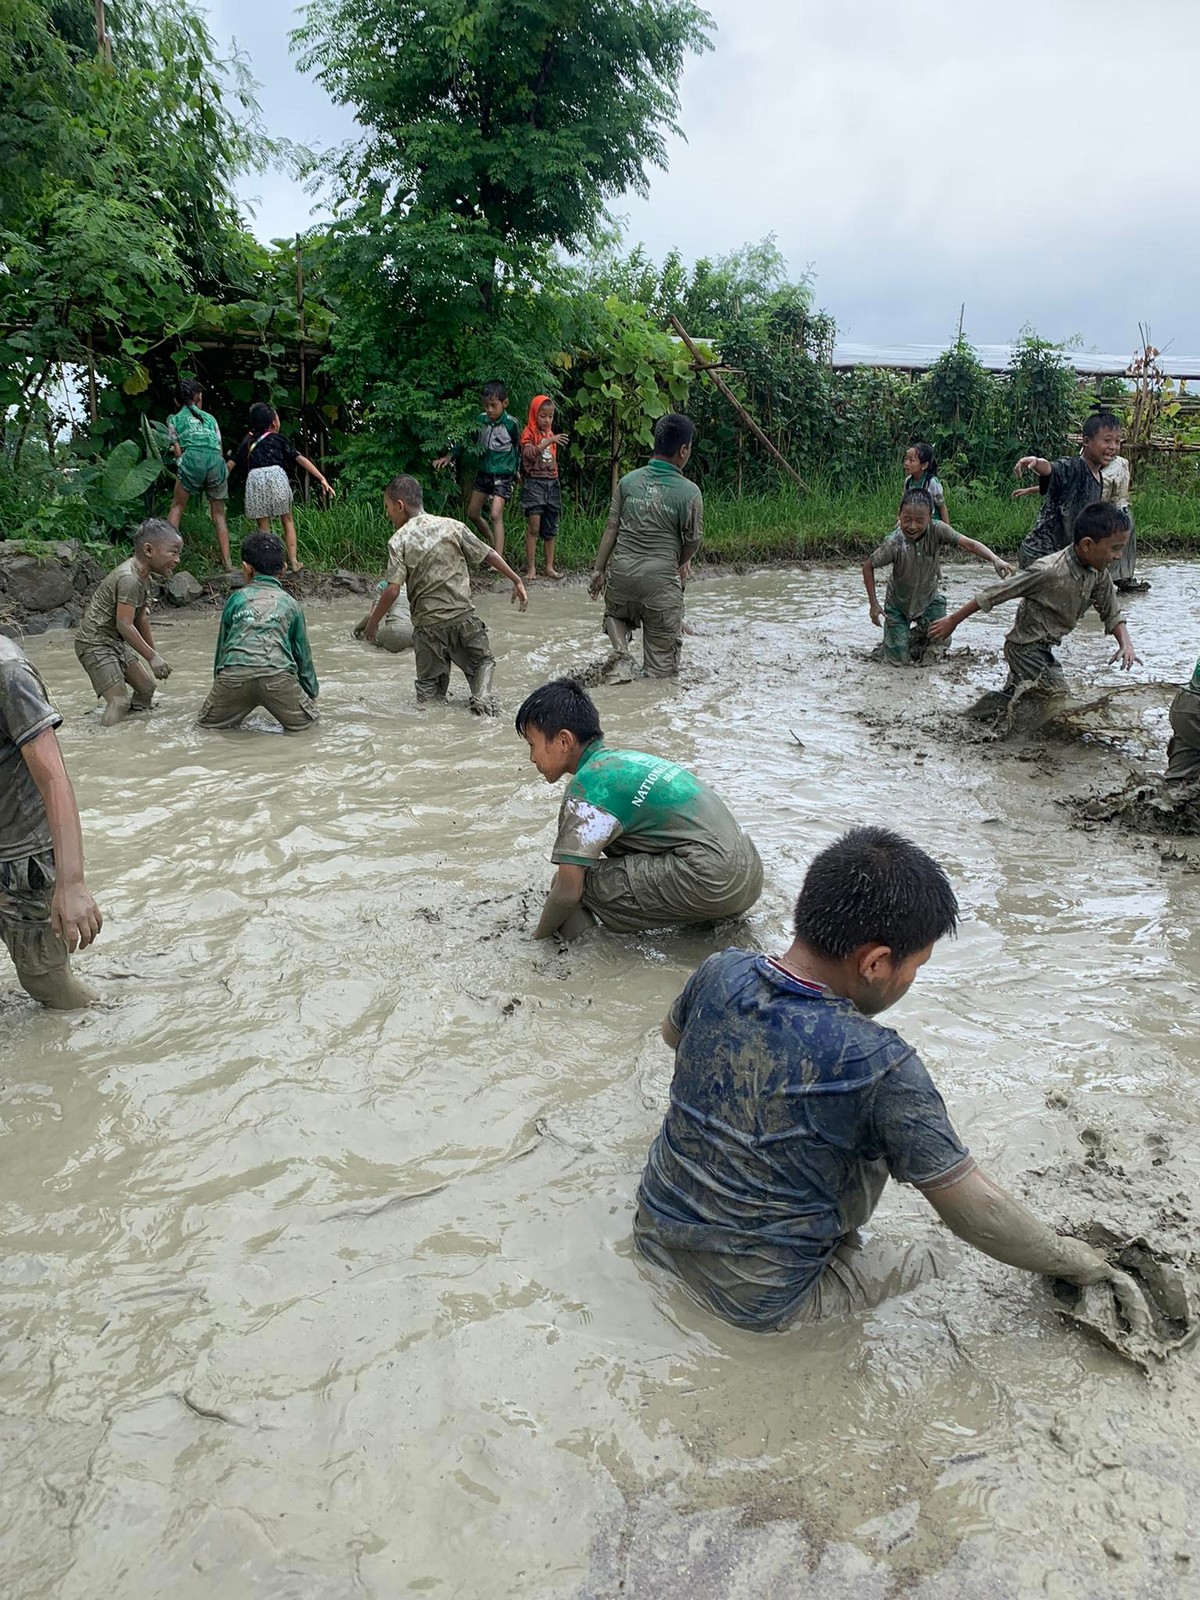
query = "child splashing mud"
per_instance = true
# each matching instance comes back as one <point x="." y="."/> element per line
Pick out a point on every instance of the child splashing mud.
<point x="914" y="599"/>
<point x="114" y="641"/>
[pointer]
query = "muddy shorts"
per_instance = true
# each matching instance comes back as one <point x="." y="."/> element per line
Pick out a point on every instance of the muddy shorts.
<point x="660" y="617"/>
<point x="859" y="1274"/>
<point x="498" y="486"/>
<point x="542" y="497"/>
<point x="1183" y="751"/>
<point x="233" y="697"/>
<point x="26" y="890"/>
<point x="107" y="664"/>
<point x="203" y="472"/>
<point x="906" y="639"/>
<point x="268" y="493"/>
<point x="1033" y="663"/>
<point x="462" y="643"/>
<point x="696" y="883"/>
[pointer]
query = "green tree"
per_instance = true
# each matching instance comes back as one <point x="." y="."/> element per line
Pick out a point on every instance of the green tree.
<point x="1040" y="398"/>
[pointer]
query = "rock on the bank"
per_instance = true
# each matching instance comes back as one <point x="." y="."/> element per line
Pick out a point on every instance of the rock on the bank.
<point x="181" y="589"/>
<point x="43" y="586"/>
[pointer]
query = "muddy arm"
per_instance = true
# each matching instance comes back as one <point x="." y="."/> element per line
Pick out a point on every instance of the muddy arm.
<point x="868" y="572"/>
<point x="74" y="915"/>
<point x="976" y="547"/>
<point x="387" y="599"/>
<point x="566" y="892"/>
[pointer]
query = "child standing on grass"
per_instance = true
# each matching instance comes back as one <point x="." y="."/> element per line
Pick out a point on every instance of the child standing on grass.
<point x="266" y="458"/>
<point x="432" y="557"/>
<point x="1054" y="594"/>
<point x="498" y="446"/>
<point x="920" y="472"/>
<point x="114" y="642"/>
<point x="196" y="441"/>
<point x="914" y="596"/>
<point x="262" y="655"/>
<point x="541" y="495"/>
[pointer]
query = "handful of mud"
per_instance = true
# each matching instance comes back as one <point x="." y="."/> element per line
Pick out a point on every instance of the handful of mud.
<point x="1175" y="1319"/>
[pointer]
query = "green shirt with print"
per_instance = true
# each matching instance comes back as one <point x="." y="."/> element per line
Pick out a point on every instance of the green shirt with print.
<point x="263" y="632"/>
<point x="194" y="430"/>
<point x="655" y="513"/>
<point x="497" y="444"/>
<point x="620" y="801"/>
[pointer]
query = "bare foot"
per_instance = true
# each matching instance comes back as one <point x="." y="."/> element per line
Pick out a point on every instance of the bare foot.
<point x="555" y="574"/>
<point x="531" y="575"/>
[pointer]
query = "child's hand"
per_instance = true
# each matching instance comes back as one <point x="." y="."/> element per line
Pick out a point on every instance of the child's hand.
<point x="560" y="438"/>
<point x="1001" y="568"/>
<point x="685" y="572"/>
<point x="877" y="616"/>
<point x="1019" y="494"/>
<point x="159" y="667"/>
<point x="1126" y="657"/>
<point x="519" y="595"/>
<point x="596" y="585"/>
<point x="941" y="629"/>
<point x="442" y="462"/>
<point x="328" y="488"/>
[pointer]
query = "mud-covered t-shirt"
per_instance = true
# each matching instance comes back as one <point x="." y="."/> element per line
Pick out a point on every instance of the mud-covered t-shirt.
<point x="1054" y="593"/>
<point x="262" y="631"/>
<point x="124" y="586"/>
<point x="916" y="565"/>
<point x="25" y="711"/>
<point x="789" y="1112"/>
<point x="195" y="430"/>
<point x="656" y="511"/>
<point x="621" y="801"/>
<point x="1071" y="486"/>
<point x="429" y="557"/>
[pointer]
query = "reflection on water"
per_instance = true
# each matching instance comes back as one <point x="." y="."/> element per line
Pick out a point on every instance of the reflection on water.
<point x="317" y="1277"/>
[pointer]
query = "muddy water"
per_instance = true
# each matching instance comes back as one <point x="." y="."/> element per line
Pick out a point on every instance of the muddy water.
<point x="317" y="1277"/>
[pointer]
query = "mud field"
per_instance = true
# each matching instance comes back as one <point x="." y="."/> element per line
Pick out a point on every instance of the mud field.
<point x="317" y="1280"/>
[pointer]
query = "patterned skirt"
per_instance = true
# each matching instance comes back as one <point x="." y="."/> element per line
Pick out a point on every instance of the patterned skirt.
<point x="268" y="493"/>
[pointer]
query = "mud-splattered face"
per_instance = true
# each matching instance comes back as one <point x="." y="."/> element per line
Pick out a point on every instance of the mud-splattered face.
<point x="882" y="981"/>
<point x="553" y="756"/>
<point x="914" y="522"/>
<point x="1099" y="554"/>
<point x="163" y="558"/>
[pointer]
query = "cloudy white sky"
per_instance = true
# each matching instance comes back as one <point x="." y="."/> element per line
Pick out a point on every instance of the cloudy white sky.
<point x="1031" y="159"/>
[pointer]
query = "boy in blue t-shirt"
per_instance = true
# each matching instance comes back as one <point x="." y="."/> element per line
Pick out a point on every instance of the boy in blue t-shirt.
<point x="791" y="1107"/>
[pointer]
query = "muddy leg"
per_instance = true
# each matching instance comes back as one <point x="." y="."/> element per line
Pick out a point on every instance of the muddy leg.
<point x="289" y="540"/>
<point x="482" y="701"/>
<point x="116" y="706"/>
<point x="475" y="515"/>
<point x="497" y="535"/>
<point x="216" y="510"/>
<point x="141" y="680"/>
<point x="533" y="525"/>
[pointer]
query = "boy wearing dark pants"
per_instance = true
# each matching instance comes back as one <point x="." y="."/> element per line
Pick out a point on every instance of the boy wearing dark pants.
<point x="262" y="658"/>
<point x="1183" y="751"/>
<point x="642" y="843"/>
<point x="432" y="557"/>
<point x="498" y="448"/>
<point x="1054" y="594"/>
<point x="791" y="1107"/>
<point x="46" y="911"/>
<point x="914" y="598"/>
<point x="1067" y="486"/>
<point x="114" y="641"/>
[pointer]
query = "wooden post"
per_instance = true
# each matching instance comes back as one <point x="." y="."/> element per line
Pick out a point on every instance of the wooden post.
<point x="737" y="405"/>
<point x="303" y="370"/>
<point x="103" y="42"/>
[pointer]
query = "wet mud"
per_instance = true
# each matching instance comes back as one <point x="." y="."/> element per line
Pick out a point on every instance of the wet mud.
<point x="318" y="1277"/>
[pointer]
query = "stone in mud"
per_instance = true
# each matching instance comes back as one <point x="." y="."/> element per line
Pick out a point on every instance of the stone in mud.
<point x="60" y="618"/>
<point x="224" y="582"/>
<point x="181" y="589"/>
<point x="37" y="585"/>
<point x="355" y="582"/>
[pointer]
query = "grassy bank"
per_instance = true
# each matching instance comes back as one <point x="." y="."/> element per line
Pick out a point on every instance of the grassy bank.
<point x="783" y="527"/>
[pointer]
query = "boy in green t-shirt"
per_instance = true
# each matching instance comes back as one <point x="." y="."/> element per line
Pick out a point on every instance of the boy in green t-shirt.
<point x="262" y="655"/>
<point x="196" y="440"/>
<point x="498" y="446"/>
<point x="642" y="843"/>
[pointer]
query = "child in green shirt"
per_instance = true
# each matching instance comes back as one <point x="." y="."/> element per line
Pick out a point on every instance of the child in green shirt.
<point x="498" y="446"/>
<point x="196" y="441"/>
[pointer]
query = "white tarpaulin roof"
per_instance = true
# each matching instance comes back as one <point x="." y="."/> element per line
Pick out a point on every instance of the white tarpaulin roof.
<point x="995" y="357"/>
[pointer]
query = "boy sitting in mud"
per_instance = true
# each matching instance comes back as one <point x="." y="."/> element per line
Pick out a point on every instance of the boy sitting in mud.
<point x="262" y="655"/>
<point x="641" y="842"/>
<point x="914" y="598"/>
<point x="432" y="557"/>
<point x="1054" y="594"/>
<point x="114" y="636"/>
<point x="791" y="1107"/>
<point x="46" y="911"/>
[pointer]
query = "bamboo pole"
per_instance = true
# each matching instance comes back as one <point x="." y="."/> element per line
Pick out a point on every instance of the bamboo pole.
<point x="736" y="404"/>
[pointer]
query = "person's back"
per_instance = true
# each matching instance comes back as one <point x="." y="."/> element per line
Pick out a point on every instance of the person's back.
<point x="258" y="622"/>
<point x="657" y="517"/>
<point x="433" y="557"/>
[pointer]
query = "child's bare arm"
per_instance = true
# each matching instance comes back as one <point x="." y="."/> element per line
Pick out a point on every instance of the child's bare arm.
<point x="945" y="626"/>
<point x="496" y="561"/>
<point x="566" y="891"/>
<point x="387" y="599"/>
<point x="977" y="548"/>
<point x="74" y="915"/>
<point x="1124" y="653"/>
<point x="1037" y="464"/>
<point x="868" y="572"/>
<point x="315" y="472"/>
<point x="134" y="628"/>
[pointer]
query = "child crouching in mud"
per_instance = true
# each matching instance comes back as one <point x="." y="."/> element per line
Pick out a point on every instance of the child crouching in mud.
<point x="914" y="597"/>
<point x="641" y="842"/>
<point x="1054" y="593"/>
<point x="791" y="1107"/>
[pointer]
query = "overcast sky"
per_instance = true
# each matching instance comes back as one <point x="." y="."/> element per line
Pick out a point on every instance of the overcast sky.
<point x="1031" y="159"/>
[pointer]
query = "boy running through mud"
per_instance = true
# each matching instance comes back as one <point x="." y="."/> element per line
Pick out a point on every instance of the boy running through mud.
<point x="914" y="598"/>
<point x="1054" y="594"/>
<point x="641" y="842"/>
<point x="262" y="656"/>
<point x="114" y="641"/>
<point x="791" y="1107"/>
<point x="46" y="911"/>
<point x="432" y="557"/>
<point x="1068" y="485"/>
<point x="655" y="528"/>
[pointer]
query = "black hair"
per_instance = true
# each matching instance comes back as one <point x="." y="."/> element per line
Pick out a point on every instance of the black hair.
<point x="406" y="491"/>
<point x="261" y="416"/>
<point x="925" y="456"/>
<point x="563" y="703"/>
<point x="917" y="497"/>
<point x="494" y="390"/>
<point x="874" y="887"/>
<point x="672" y="432"/>
<point x="1098" y="521"/>
<point x="1098" y="420"/>
<point x="155" y="530"/>
<point x="191" y="390"/>
<point x="265" y="553"/>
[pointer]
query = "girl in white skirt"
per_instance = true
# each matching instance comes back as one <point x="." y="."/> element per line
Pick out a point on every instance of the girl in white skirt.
<point x="265" y="457"/>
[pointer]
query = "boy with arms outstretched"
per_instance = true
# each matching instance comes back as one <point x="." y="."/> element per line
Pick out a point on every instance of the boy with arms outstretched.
<point x="641" y="842"/>
<point x="498" y="447"/>
<point x="1054" y="594"/>
<point x="914" y="598"/>
<point x="46" y="911"/>
<point x="791" y="1107"/>
<point x="432" y="557"/>
<point x="114" y="641"/>
<point x="1068" y="485"/>
<point x="262" y="656"/>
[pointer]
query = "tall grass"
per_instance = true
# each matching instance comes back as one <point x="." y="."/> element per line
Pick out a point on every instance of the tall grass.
<point x="826" y="522"/>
